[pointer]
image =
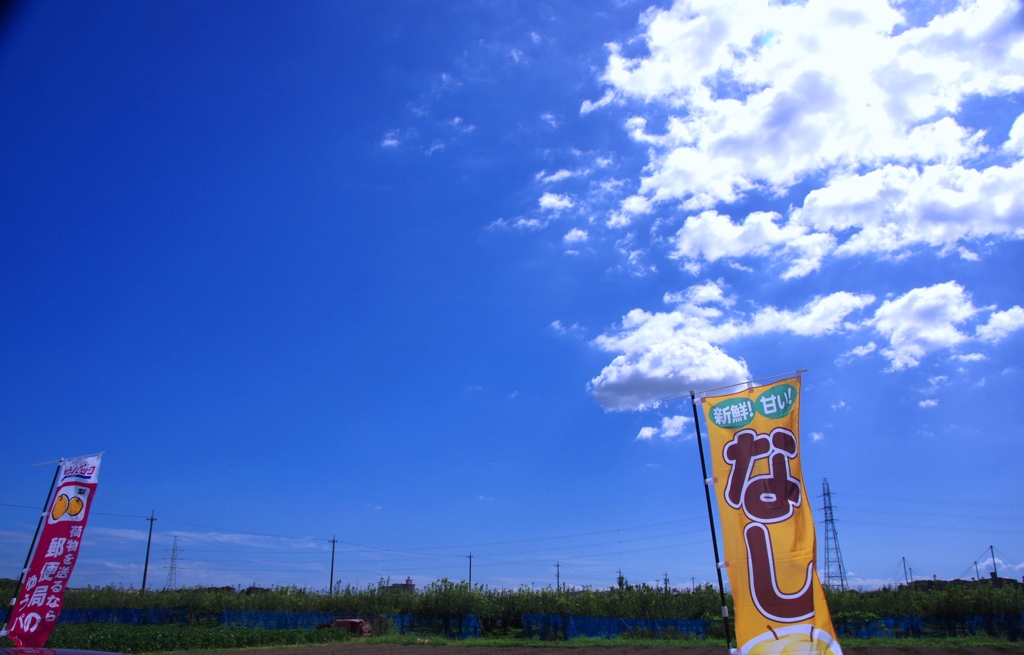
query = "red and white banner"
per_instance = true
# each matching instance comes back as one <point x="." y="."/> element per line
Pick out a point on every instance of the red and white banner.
<point x="40" y="598"/>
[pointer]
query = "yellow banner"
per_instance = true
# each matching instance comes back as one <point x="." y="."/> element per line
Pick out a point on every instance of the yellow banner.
<point x="767" y="527"/>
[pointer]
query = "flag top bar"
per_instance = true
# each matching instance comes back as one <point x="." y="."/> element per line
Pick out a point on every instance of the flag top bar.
<point x="701" y="394"/>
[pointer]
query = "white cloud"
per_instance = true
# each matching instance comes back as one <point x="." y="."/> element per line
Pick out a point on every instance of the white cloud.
<point x="575" y="235"/>
<point x="669" y="353"/>
<point x="390" y="139"/>
<point x="895" y="207"/>
<point x="931" y="402"/>
<point x="921" y="321"/>
<point x="459" y="124"/>
<point x="817" y="436"/>
<point x="557" y="176"/>
<point x="646" y="433"/>
<point x="605" y="100"/>
<point x="555" y="202"/>
<point x="701" y="294"/>
<point x="859" y="351"/>
<point x="712" y="236"/>
<point x="528" y="224"/>
<point x="822" y="315"/>
<point x="762" y="95"/>
<point x="671" y="426"/>
<point x="1001" y="324"/>
<point x="970" y="357"/>
<point x="1014" y="144"/>
<point x="560" y="328"/>
<point x="935" y="383"/>
<point x="549" y="118"/>
<point x="630" y="207"/>
<point x="640" y="378"/>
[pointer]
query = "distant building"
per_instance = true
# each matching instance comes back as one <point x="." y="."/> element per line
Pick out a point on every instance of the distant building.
<point x="405" y="586"/>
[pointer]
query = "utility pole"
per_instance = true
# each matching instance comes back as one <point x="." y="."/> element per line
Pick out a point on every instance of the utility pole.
<point x="977" y="575"/>
<point x="149" y="542"/>
<point x="693" y="584"/>
<point x="911" y="573"/>
<point x="905" y="579"/>
<point x="334" y="540"/>
<point x="666" y="583"/>
<point x="470" y="556"/>
<point x="558" y="577"/>
<point x="995" y="572"/>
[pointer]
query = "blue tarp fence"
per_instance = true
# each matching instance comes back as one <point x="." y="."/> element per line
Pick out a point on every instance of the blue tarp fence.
<point x="276" y="620"/>
<point x="550" y="626"/>
<point x="561" y="626"/>
<point x="460" y="626"/>
<point x="1005" y="625"/>
<point x="160" y="616"/>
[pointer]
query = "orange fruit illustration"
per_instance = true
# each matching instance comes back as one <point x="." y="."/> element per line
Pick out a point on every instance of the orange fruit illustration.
<point x="59" y="507"/>
<point x="75" y="506"/>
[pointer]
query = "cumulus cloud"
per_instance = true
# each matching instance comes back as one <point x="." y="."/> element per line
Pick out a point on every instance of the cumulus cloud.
<point x="1001" y="324"/>
<point x="921" y="321"/>
<point x="712" y="236"/>
<point x="710" y="292"/>
<point x="671" y="426"/>
<point x="555" y="202"/>
<point x="895" y="207"/>
<point x="646" y="433"/>
<point x="1014" y="144"/>
<point x="762" y="95"/>
<point x="669" y="353"/>
<point x="575" y="235"/>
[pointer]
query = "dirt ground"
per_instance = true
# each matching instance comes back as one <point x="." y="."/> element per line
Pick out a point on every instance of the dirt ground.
<point x="395" y="649"/>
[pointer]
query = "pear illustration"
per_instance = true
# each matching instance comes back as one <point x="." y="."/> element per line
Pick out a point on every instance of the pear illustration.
<point x="75" y="506"/>
<point x="59" y="507"/>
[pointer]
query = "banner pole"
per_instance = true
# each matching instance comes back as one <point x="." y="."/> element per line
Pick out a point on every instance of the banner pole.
<point x="711" y="520"/>
<point x="31" y="549"/>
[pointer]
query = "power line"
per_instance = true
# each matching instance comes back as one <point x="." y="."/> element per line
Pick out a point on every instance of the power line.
<point x="932" y="501"/>
<point x="940" y="515"/>
<point x="91" y="513"/>
<point x="930" y="527"/>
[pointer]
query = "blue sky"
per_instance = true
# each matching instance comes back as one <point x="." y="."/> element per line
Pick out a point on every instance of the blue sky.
<point x="421" y="275"/>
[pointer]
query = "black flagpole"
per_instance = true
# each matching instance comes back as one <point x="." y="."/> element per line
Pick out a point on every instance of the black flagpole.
<point x="31" y="548"/>
<point x="711" y="519"/>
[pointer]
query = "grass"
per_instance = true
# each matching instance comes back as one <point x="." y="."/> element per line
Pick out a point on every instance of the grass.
<point x="188" y="639"/>
<point x="117" y="638"/>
